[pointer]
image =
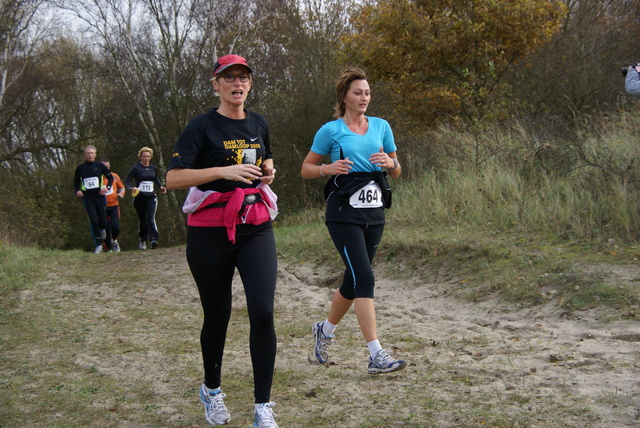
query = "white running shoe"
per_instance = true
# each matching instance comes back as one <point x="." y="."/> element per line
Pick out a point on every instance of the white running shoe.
<point x="321" y="343"/>
<point x="142" y="245"/>
<point x="384" y="363"/>
<point x="214" y="409"/>
<point x="98" y="249"/>
<point x="116" y="246"/>
<point x="263" y="416"/>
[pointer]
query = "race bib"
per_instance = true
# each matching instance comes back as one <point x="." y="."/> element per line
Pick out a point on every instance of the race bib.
<point x="369" y="196"/>
<point x="146" y="186"/>
<point x="91" y="183"/>
<point x="110" y="191"/>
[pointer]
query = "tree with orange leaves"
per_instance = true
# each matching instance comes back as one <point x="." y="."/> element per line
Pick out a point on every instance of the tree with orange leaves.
<point x="445" y="59"/>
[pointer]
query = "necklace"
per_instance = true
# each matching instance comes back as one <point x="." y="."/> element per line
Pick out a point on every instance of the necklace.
<point x="356" y="127"/>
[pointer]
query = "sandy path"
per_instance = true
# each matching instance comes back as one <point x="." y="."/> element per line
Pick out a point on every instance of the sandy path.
<point x="141" y="328"/>
<point x="541" y="353"/>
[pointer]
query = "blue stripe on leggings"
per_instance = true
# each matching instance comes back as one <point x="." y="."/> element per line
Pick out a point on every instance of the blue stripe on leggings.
<point x="346" y="255"/>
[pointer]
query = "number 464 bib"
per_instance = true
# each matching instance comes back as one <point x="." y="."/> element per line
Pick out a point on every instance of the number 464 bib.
<point x="369" y="196"/>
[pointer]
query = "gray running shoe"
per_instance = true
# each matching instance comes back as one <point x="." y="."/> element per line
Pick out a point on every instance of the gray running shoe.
<point x="384" y="363"/>
<point x="214" y="409"/>
<point x="154" y="245"/>
<point x="142" y="245"/>
<point x="98" y="249"/>
<point x="263" y="416"/>
<point x="116" y="246"/>
<point x="103" y="234"/>
<point x="321" y="343"/>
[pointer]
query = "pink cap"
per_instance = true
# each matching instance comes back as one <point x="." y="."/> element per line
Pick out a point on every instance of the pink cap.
<point x="227" y="61"/>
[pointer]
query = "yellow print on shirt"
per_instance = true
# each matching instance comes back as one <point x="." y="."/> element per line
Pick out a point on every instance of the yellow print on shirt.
<point x="235" y="144"/>
<point x="246" y="156"/>
<point x="240" y="144"/>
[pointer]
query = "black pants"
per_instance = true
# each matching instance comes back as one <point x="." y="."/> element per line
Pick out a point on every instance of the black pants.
<point x="96" y="207"/>
<point x="357" y="245"/>
<point x="113" y="221"/>
<point x="146" y="207"/>
<point x="213" y="261"/>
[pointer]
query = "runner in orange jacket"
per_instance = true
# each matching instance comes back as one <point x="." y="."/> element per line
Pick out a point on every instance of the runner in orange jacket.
<point x="113" y="210"/>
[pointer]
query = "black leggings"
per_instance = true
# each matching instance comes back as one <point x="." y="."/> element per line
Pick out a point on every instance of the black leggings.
<point x="96" y="207"/>
<point x="113" y="216"/>
<point x="213" y="260"/>
<point x="357" y="245"/>
<point x="146" y="207"/>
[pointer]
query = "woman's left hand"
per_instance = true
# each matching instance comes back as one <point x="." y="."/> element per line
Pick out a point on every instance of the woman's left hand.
<point x="381" y="159"/>
<point x="268" y="174"/>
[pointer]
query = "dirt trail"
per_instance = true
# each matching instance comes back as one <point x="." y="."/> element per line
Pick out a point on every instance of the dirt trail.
<point x="541" y="353"/>
<point x="142" y="326"/>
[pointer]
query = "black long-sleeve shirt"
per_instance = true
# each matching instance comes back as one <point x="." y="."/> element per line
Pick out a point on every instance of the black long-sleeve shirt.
<point x="89" y="177"/>
<point x="141" y="176"/>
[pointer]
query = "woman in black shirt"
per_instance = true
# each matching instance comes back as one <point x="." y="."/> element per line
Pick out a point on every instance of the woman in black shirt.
<point x="142" y="180"/>
<point x="224" y="157"/>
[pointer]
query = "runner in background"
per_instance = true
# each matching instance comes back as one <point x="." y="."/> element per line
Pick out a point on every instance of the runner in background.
<point x="88" y="184"/>
<point x="113" y="210"/>
<point x="143" y="180"/>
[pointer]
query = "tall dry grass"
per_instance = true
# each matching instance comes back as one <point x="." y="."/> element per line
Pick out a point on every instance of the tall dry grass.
<point x="586" y="187"/>
<point x="508" y="212"/>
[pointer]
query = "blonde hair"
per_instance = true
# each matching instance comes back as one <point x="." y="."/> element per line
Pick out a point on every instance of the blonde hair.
<point x="145" y="149"/>
<point x="342" y="88"/>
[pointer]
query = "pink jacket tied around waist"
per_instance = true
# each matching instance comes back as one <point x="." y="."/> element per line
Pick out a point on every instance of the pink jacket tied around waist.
<point x="229" y="215"/>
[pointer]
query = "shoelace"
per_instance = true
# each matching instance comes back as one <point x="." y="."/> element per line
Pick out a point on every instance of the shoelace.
<point x="216" y="400"/>
<point x="384" y="358"/>
<point x="325" y="342"/>
<point x="265" y="414"/>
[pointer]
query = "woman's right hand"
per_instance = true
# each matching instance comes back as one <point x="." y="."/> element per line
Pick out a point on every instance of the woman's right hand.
<point x="341" y="166"/>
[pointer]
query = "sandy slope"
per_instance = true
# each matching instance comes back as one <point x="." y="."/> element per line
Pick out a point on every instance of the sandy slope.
<point x="136" y="317"/>
<point x="541" y="353"/>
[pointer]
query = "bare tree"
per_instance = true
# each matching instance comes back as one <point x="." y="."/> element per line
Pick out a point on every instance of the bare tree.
<point x="18" y="36"/>
<point x="22" y="27"/>
<point x="161" y="52"/>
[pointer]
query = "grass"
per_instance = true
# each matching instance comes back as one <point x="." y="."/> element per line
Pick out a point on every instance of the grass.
<point x="77" y="340"/>
<point x="55" y="348"/>
<point x="485" y="264"/>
